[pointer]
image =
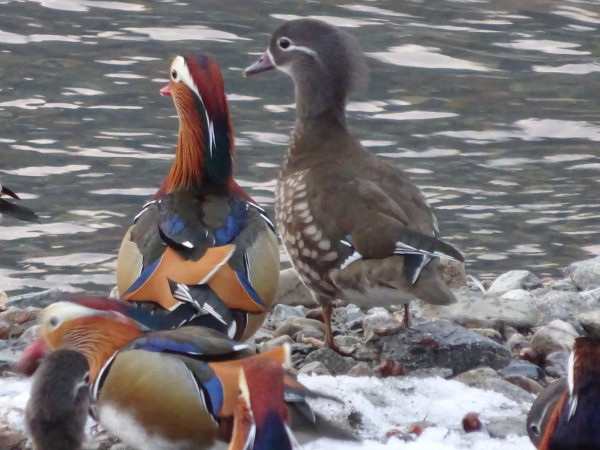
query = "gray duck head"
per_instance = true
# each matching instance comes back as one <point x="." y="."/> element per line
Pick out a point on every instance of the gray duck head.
<point x="325" y="63"/>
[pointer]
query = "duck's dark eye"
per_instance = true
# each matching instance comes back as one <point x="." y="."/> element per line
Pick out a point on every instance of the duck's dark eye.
<point x="284" y="43"/>
<point x="174" y="74"/>
<point x="53" y="321"/>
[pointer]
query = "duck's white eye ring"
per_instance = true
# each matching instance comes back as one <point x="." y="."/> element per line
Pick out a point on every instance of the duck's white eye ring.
<point x="53" y="321"/>
<point x="284" y="43"/>
<point x="174" y="75"/>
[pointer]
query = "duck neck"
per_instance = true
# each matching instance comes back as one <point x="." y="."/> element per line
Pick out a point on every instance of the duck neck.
<point x="319" y="98"/>
<point x="204" y="150"/>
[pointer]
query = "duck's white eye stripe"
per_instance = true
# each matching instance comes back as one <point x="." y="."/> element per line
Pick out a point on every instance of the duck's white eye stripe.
<point x="184" y="75"/>
<point x="301" y="48"/>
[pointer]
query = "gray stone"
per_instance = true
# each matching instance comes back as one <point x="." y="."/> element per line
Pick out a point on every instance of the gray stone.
<point x="489" y="333"/>
<point x="38" y="299"/>
<point x="523" y="368"/>
<point x="515" y="279"/>
<point x="335" y="363"/>
<point x="314" y="367"/>
<point x="30" y="334"/>
<point x="364" y="353"/>
<point x="362" y="369"/>
<point x="309" y="332"/>
<point x="555" y="336"/>
<point x="441" y="372"/>
<point x="507" y="389"/>
<point x="531" y="386"/>
<point x="349" y="313"/>
<point x="281" y="312"/>
<point x="443" y="344"/>
<point x="562" y="305"/>
<point x="378" y="320"/>
<point x="475" y="309"/>
<point x="590" y="321"/>
<point x="502" y="427"/>
<point x="476" y="377"/>
<point x="453" y="273"/>
<point x="585" y="273"/>
<point x="557" y="364"/>
<point x="274" y="343"/>
<point x="291" y="325"/>
<point x="519" y="295"/>
<point x="517" y="342"/>
<point x="291" y="291"/>
<point x="562" y="285"/>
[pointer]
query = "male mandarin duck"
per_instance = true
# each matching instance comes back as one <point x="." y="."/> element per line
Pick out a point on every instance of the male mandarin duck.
<point x="202" y="248"/>
<point x="174" y="389"/>
<point x="260" y="420"/>
<point x="14" y="210"/>
<point x="573" y="423"/>
<point x="542" y="408"/>
<point x="58" y="406"/>
<point x="354" y="226"/>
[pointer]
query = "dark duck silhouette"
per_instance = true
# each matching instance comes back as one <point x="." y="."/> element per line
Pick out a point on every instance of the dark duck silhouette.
<point x="14" y="210"/>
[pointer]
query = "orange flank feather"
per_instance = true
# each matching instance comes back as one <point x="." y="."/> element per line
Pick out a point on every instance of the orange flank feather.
<point x="212" y="269"/>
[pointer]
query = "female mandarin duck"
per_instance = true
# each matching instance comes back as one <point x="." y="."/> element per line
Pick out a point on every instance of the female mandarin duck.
<point x="173" y="389"/>
<point x="58" y="406"/>
<point x="261" y="417"/>
<point x="202" y="248"/>
<point x="573" y="424"/>
<point x="354" y="226"/>
<point x="14" y="210"/>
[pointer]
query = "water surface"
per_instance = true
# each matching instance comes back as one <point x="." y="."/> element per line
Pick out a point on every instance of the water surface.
<point x="492" y="106"/>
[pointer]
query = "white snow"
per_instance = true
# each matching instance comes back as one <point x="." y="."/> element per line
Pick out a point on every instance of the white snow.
<point x="383" y="404"/>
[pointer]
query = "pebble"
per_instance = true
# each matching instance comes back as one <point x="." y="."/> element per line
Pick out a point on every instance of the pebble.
<point x="564" y="305"/>
<point x="523" y="368"/>
<point x="585" y="273"/>
<point x="590" y="321"/>
<point x="314" y="368"/>
<point x="335" y="363"/>
<point x="555" y="336"/>
<point x="291" y="325"/>
<point x="531" y="386"/>
<point x="502" y="427"/>
<point x="515" y="279"/>
<point x="280" y="312"/>
<point x="557" y="363"/>
<point x="471" y="422"/>
<point x="518" y="315"/>
<point x="443" y="344"/>
<point x="379" y="321"/>
<point x="273" y="343"/>
<point x="475" y="309"/>
<point x="291" y="291"/>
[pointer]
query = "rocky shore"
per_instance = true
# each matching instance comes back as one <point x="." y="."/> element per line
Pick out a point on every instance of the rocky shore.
<point x="511" y="336"/>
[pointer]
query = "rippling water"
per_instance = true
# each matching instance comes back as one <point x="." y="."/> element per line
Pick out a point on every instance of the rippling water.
<point x="492" y="106"/>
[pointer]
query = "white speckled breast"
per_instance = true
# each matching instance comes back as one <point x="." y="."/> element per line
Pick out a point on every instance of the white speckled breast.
<point x="310" y="251"/>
